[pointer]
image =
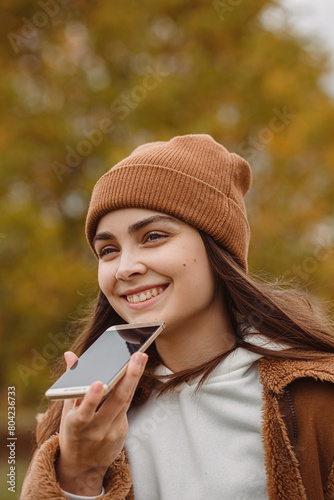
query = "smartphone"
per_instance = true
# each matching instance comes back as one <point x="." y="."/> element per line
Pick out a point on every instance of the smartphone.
<point x="105" y="360"/>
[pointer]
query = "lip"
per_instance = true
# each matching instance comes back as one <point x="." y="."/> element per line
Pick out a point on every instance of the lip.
<point x="146" y="303"/>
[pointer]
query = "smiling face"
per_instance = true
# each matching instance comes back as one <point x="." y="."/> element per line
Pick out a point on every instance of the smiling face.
<point x="154" y="267"/>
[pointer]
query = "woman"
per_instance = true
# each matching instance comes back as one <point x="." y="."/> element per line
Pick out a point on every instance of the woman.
<point x="237" y="397"/>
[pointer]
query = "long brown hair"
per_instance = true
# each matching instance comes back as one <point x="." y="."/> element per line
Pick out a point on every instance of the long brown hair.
<point x="281" y="314"/>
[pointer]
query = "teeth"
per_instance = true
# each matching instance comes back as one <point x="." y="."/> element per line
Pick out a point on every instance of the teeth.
<point x="134" y="299"/>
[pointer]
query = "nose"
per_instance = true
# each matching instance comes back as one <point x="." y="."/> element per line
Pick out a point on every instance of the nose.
<point x="129" y="266"/>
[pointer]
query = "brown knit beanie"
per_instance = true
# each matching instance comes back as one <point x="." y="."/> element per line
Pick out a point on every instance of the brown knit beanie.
<point x="190" y="177"/>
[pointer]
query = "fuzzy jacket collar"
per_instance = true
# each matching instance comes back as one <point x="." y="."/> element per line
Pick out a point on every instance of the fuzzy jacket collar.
<point x="278" y="373"/>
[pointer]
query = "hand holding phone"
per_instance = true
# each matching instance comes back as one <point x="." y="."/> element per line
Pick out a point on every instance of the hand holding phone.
<point x="91" y="439"/>
<point x="105" y="359"/>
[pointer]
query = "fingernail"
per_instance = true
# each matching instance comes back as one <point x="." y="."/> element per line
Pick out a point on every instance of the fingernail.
<point x="97" y="388"/>
<point x="140" y="358"/>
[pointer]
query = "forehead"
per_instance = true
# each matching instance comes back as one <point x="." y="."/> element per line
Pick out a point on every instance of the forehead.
<point x="124" y="217"/>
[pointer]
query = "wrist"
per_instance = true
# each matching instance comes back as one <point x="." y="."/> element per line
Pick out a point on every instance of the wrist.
<point x="79" y="481"/>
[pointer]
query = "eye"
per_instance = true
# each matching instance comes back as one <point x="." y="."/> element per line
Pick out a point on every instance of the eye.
<point x="154" y="236"/>
<point x="106" y="251"/>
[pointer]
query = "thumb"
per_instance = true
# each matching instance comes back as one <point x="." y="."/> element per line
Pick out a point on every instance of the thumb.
<point x="70" y="359"/>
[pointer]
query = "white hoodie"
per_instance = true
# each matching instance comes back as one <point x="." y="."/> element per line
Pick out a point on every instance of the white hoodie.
<point x="193" y="446"/>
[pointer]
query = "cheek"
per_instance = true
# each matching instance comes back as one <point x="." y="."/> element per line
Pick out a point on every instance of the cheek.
<point x="200" y="275"/>
<point x="105" y="278"/>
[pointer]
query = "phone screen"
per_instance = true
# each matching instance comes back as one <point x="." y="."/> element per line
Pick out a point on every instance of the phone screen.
<point x="104" y="358"/>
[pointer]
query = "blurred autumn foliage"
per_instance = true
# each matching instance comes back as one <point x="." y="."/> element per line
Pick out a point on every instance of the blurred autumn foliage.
<point x="83" y="83"/>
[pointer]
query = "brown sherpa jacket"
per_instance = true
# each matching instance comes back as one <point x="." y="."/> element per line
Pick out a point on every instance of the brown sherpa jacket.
<point x="297" y="431"/>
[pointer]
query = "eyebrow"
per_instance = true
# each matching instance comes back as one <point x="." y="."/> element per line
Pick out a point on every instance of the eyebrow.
<point x="134" y="227"/>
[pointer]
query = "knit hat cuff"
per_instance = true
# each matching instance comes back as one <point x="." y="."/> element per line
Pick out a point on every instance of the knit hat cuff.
<point x="188" y="198"/>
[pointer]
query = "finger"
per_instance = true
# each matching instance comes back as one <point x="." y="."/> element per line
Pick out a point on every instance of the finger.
<point x="70" y="359"/>
<point x="128" y="383"/>
<point x="123" y="392"/>
<point x="69" y="404"/>
<point x="138" y="359"/>
<point x="86" y="411"/>
<point x="142" y="362"/>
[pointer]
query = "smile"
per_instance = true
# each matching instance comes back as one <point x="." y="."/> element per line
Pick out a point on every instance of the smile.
<point x="145" y="295"/>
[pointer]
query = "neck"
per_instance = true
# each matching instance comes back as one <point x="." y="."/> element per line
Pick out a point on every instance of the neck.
<point x="197" y="341"/>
